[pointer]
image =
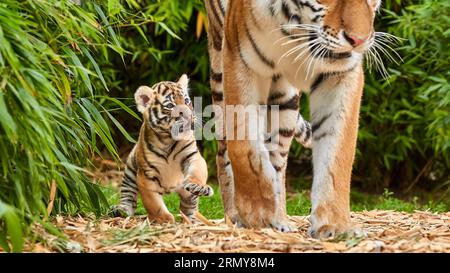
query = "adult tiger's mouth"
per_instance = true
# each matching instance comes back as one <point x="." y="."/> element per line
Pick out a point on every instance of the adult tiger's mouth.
<point x="321" y="45"/>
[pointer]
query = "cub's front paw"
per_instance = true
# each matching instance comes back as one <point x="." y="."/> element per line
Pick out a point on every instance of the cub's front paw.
<point x="200" y="190"/>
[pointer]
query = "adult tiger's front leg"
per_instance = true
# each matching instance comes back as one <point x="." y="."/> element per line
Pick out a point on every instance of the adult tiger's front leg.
<point x="335" y="112"/>
<point x="257" y="188"/>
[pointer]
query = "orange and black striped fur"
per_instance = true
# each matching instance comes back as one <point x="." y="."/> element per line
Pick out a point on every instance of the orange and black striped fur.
<point x="162" y="162"/>
<point x="269" y="52"/>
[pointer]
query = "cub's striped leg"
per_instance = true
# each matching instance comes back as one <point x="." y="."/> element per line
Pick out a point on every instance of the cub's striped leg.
<point x="196" y="174"/>
<point x="335" y="110"/>
<point x="151" y="194"/>
<point x="216" y="13"/>
<point x="188" y="203"/>
<point x="282" y="124"/>
<point x="151" y="190"/>
<point x="128" y="189"/>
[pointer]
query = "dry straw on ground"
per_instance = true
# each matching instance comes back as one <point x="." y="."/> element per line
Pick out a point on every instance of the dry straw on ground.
<point x="387" y="231"/>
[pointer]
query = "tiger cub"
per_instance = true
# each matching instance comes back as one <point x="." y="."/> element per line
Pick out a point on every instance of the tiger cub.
<point x="166" y="158"/>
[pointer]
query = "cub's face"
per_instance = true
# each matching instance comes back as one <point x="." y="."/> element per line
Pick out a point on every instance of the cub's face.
<point x="166" y="106"/>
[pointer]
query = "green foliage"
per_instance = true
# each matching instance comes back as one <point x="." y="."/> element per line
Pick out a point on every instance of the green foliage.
<point x="51" y="118"/>
<point x="405" y="126"/>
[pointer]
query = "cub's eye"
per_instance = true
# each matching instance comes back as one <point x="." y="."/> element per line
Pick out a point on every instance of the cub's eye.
<point x="169" y="105"/>
<point x="187" y="101"/>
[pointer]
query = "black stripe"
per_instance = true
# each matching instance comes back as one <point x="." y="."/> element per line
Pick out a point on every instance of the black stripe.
<point x="251" y="165"/>
<point x="222" y="147"/>
<point x="216" y="35"/>
<point x="127" y="184"/>
<point x="216" y="15"/>
<point x="127" y="199"/>
<point x="217" y="77"/>
<point x="183" y="148"/>
<point x="327" y="53"/>
<point x="272" y="9"/>
<point x="309" y="5"/>
<point x="153" y="178"/>
<point x="152" y="149"/>
<point x="222" y="8"/>
<point x="134" y="161"/>
<point x="131" y="166"/>
<point x="286" y="132"/>
<point x="166" y="91"/>
<point x="155" y="113"/>
<point x="172" y="148"/>
<point x="316" y="138"/>
<point x="152" y="166"/>
<point x="291" y="104"/>
<point x="276" y="77"/>
<point x="275" y="95"/>
<point x="186" y="158"/>
<point x="300" y="130"/>
<point x="319" y="79"/>
<point x="263" y="58"/>
<point x="129" y="178"/>
<point x="287" y="13"/>
<point x="324" y="76"/>
<point x="286" y="33"/>
<point x="308" y="131"/>
<point x="254" y="20"/>
<point x="277" y="168"/>
<point x="285" y="10"/>
<point x="217" y="96"/>
<point x="128" y="191"/>
<point x="316" y="126"/>
<point x="316" y="18"/>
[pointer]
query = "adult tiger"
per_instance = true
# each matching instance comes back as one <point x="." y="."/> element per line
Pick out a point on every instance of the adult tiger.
<point x="265" y="49"/>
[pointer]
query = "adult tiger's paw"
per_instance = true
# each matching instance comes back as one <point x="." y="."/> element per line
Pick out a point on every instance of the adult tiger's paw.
<point x="283" y="226"/>
<point x="333" y="231"/>
<point x="328" y="220"/>
<point x="200" y="190"/>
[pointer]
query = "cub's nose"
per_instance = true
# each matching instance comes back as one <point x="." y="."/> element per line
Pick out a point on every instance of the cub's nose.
<point x="181" y="111"/>
<point x="355" y="40"/>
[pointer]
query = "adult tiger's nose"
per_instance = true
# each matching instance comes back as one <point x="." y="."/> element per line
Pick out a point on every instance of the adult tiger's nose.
<point x="354" y="40"/>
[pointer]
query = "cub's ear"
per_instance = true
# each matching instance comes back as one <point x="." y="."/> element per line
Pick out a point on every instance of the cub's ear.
<point x="143" y="96"/>
<point x="183" y="81"/>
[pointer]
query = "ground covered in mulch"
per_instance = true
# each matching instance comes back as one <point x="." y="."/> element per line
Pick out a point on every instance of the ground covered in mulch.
<point x="386" y="231"/>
